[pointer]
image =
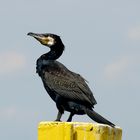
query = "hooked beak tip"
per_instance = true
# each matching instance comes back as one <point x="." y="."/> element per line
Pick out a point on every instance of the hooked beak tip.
<point x="30" y="33"/>
<point x="37" y="36"/>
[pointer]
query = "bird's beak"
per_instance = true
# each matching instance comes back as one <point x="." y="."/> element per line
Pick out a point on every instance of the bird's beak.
<point x="41" y="38"/>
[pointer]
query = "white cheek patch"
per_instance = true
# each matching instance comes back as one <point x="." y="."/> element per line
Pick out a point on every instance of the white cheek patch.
<point x="51" y="41"/>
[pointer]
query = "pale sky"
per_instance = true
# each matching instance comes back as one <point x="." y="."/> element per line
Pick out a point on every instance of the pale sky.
<point x="102" y="40"/>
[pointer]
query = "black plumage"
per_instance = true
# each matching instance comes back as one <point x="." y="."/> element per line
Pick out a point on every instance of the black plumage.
<point x="68" y="89"/>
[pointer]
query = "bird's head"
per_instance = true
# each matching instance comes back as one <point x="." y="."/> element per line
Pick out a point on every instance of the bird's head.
<point x="46" y="39"/>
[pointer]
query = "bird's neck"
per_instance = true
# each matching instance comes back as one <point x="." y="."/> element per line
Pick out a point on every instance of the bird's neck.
<point x="54" y="53"/>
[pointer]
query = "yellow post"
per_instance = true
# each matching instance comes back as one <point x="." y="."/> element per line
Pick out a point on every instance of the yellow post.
<point x="77" y="131"/>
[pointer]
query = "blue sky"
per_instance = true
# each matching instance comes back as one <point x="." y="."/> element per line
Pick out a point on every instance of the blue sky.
<point x="102" y="40"/>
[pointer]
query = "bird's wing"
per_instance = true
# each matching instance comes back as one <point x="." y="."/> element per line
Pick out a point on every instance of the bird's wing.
<point x="82" y="84"/>
<point x="69" y="85"/>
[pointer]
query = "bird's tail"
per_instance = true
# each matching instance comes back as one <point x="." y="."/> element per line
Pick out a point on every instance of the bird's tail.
<point x="97" y="117"/>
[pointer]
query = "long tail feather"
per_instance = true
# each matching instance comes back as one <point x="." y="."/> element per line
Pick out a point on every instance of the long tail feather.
<point x="97" y="117"/>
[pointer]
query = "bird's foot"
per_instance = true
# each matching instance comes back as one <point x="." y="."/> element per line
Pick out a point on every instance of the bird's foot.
<point x="57" y="120"/>
<point x="69" y="119"/>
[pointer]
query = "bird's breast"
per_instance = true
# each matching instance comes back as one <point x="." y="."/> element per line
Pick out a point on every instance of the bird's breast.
<point x="40" y="65"/>
<point x="43" y="65"/>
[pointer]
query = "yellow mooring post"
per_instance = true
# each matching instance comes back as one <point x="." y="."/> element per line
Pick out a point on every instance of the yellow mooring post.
<point x="77" y="131"/>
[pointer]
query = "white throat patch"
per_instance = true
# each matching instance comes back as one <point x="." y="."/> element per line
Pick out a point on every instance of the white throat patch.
<point x="51" y="41"/>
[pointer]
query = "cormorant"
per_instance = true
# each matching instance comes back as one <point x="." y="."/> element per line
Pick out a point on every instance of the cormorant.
<point x="68" y="89"/>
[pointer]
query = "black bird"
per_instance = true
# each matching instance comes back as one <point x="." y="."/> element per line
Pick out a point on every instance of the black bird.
<point x="68" y="89"/>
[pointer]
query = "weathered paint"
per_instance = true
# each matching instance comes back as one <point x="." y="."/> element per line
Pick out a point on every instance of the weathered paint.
<point x="77" y="131"/>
